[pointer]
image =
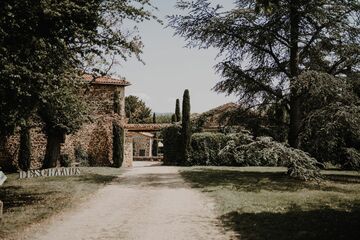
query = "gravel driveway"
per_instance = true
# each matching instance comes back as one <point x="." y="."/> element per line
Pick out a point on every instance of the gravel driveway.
<point x="147" y="202"/>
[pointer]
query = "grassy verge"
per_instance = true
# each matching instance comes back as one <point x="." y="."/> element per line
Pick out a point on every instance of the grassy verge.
<point x="263" y="203"/>
<point x="30" y="201"/>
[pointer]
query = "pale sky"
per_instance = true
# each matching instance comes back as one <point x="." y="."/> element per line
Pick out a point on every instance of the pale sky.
<point x="170" y="68"/>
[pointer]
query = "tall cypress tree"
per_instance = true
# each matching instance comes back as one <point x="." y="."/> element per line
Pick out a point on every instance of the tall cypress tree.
<point x="155" y="141"/>
<point x="177" y="111"/>
<point x="118" y="135"/>
<point x="154" y="117"/>
<point x="118" y="145"/>
<point x="185" y="128"/>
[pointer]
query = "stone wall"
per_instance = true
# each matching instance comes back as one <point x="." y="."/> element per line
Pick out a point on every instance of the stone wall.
<point x="94" y="137"/>
<point x="142" y="142"/>
<point x="9" y="150"/>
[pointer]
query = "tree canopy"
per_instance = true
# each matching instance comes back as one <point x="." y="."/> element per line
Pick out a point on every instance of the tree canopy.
<point x="263" y="52"/>
<point x="136" y="110"/>
<point x="42" y="41"/>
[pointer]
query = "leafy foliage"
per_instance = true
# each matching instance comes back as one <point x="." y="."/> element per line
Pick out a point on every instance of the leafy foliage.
<point x="81" y="155"/>
<point x="44" y="44"/>
<point x="330" y="117"/>
<point x="205" y="148"/>
<point x="136" y="110"/>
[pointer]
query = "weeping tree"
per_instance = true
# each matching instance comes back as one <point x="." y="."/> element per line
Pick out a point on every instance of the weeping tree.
<point x="264" y="52"/>
<point x="185" y="128"/>
<point x="177" y="111"/>
<point x="331" y="119"/>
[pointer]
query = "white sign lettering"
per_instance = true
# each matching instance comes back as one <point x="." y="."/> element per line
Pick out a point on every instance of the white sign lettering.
<point x="51" y="172"/>
<point x="2" y="178"/>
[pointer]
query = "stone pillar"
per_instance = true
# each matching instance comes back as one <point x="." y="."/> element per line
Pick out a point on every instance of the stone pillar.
<point x="128" y="151"/>
<point x="1" y="209"/>
<point x="150" y="147"/>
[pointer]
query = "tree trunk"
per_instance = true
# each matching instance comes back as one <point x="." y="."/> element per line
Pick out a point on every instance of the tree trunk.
<point x="25" y="149"/>
<point x="53" y="147"/>
<point x="295" y="104"/>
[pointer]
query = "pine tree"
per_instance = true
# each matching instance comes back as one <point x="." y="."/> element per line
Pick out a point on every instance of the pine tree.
<point x="185" y="128"/>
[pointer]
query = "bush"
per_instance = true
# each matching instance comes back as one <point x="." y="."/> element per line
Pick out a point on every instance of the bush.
<point x="205" y="148"/>
<point x="81" y="156"/>
<point x="351" y="159"/>
<point x="172" y="143"/>
<point x="208" y="148"/>
<point x="332" y="134"/>
<point x="65" y="160"/>
<point x="241" y="150"/>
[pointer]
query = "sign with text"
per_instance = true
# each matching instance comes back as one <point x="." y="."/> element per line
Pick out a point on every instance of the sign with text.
<point x="2" y="178"/>
<point x="51" y="172"/>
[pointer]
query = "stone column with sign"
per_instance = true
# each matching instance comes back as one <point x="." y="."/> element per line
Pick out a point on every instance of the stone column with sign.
<point x="2" y="180"/>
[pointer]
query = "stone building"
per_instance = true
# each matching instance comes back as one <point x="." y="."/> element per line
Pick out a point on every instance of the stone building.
<point x="142" y="144"/>
<point x="94" y="139"/>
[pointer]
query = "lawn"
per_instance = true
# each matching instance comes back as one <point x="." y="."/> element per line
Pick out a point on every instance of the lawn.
<point x="30" y="201"/>
<point x="263" y="203"/>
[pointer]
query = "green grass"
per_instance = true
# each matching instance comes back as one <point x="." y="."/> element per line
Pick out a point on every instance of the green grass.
<point x="30" y="201"/>
<point x="263" y="203"/>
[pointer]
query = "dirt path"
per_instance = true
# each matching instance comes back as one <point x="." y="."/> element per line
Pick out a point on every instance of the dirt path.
<point x="147" y="202"/>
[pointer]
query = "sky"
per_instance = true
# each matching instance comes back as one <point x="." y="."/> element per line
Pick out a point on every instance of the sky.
<point x="170" y="68"/>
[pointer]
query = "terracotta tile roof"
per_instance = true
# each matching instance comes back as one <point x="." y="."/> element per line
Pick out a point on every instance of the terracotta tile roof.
<point x="106" y="80"/>
<point x="146" y="127"/>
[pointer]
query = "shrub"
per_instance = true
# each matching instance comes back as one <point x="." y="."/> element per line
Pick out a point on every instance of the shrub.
<point x="208" y="148"/>
<point x="205" y="148"/>
<point x="300" y="165"/>
<point x="172" y="142"/>
<point x="241" y="150"/>
<point x="81" y="156"/>
<point x="351" y="159"/>
<point x="329" y="134"/>
<point x="65" y="160"/>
